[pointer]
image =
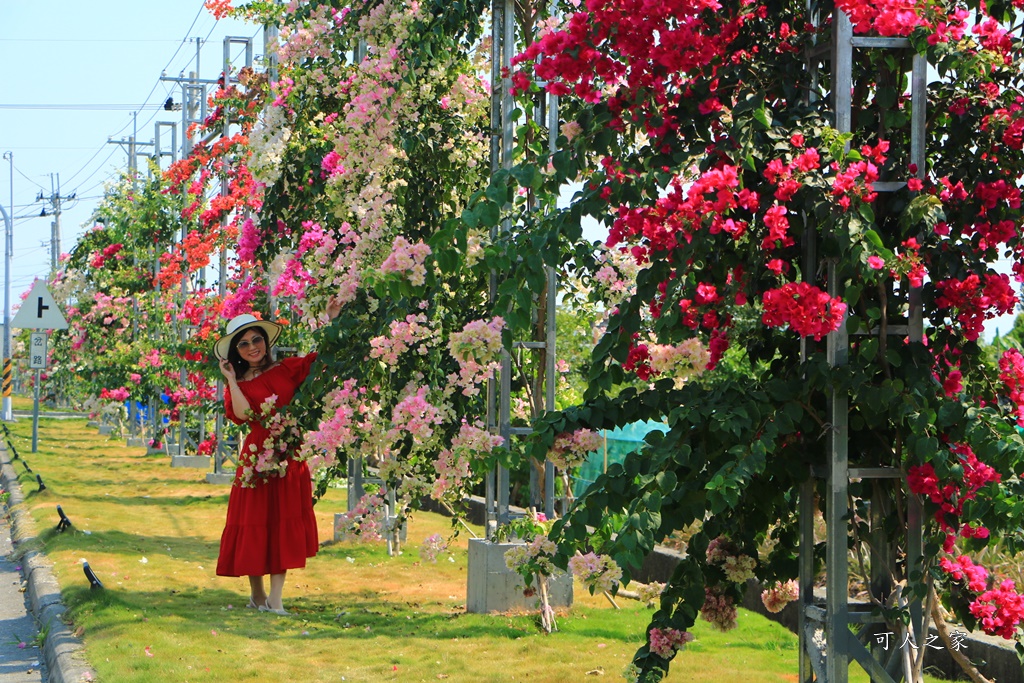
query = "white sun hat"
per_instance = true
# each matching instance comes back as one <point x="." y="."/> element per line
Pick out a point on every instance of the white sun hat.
<point x="244" y="322"/>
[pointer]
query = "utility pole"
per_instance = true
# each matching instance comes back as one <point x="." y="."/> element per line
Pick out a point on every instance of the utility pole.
<point x="193" y="101"/>
<point x="132" y="144"/>
<point x="55" y="200"/>
<point x="8" y="413"/>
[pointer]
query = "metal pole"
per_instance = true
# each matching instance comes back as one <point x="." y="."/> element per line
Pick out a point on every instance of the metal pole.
<point x="493" y="392"/>
<point x="186" y="103"/>
<point x="219" y="448"/>
<point x="836" y="599"/>
<point x="270" y="34"/>
<point x="552" y="321"/>
<point x="507" y="142"/>
<point x="55" y="240"/>
<point x="183" y="337"/>
<point x="8" y="413"/>
<point x="35" y="415"/>
<point x="549" y="402"/>
<point x="133" y="168"/>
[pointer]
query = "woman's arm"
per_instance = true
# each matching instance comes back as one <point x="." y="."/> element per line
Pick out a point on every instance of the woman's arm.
<point x="239" y="405"/>
<point x="333" y="307"/>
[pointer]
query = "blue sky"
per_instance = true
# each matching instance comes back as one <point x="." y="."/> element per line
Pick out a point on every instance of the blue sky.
<point x="93" y="64"/>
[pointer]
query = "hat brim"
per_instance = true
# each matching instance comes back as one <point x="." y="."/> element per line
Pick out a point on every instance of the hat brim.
<point x="223" y="345"/>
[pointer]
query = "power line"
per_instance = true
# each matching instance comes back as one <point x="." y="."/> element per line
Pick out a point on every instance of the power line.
<point x="113" y="151"/>
<point x="158" y="106"/>
<point x="171" y="60"/>
<point x="49" y="149"/>
<point x="89" y="162"/>
<point x="86" y="40"/>
<point x="199" y="13"/>
<point x="22" y="174"/>
<point x="83" y="107"/>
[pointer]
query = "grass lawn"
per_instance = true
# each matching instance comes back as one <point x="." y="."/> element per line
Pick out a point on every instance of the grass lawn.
<point x="151" y="534"/>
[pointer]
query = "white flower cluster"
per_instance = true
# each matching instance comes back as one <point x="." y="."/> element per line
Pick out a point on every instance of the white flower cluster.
<point x="268" y="141"/>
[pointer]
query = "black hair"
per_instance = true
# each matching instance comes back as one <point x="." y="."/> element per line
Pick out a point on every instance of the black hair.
<point x="240" y="364"/>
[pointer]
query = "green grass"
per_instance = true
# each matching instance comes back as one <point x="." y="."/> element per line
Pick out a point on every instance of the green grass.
<point x="151" y="534"/>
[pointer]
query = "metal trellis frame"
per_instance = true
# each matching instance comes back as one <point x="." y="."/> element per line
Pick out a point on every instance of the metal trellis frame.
<point x="497" y="483"/>
<point x="827" y="644"/>
<point x="226" y="449"/>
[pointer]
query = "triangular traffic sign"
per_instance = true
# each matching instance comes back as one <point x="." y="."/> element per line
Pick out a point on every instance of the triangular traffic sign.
<point x="39" y="311"/>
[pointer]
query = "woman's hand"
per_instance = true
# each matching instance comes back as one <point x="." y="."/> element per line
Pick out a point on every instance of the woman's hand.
<point x="333" y="307"/>
<point x="228" y="370"/>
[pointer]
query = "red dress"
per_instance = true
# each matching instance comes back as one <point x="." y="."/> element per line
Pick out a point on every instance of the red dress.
<point x="269" y="528"/>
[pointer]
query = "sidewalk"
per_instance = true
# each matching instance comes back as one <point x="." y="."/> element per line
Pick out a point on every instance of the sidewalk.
<point x="17" y="664"/>
<point x="61" y="659"/>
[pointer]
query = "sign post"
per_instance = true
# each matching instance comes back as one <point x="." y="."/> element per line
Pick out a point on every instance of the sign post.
<point x="39" y="312"/>
<point x="37" y="362"/>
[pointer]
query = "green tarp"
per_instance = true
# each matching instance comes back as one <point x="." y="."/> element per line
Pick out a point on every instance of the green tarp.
<point x="618" y="443"/>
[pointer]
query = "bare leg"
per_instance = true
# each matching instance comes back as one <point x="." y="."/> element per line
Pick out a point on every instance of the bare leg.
<point x="276" y="590"/>
<point x="256" y="592"/>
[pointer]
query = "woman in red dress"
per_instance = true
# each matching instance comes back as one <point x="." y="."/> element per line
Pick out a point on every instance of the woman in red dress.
<point x="270" y="527"/>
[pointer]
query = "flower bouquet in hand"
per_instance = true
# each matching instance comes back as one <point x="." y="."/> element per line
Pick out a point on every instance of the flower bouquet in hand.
<point x="271" y="459"/>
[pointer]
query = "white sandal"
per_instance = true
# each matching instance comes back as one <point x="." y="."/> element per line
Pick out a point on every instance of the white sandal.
<point x="268" y="608"/>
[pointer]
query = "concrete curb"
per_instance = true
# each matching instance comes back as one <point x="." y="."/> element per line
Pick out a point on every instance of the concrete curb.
<point x="63" y="653"/>
<point x="52" y="414"/>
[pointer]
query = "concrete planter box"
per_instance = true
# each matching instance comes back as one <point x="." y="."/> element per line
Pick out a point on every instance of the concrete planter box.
<point x="197" y="461"/>
<point x="337" y="520"/>
<point x="493" y="587"/>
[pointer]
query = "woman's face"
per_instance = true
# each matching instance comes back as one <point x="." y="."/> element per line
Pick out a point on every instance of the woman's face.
<point x="252" y="347"/>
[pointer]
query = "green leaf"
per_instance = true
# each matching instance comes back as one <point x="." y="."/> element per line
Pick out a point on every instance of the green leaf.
<point x="470" y="217"/>
<point x="873" y="237"/>
<point x="527" y="176"/>
<point x="924" y="210"/>
<point x="886" y="97"/>
<point x="763" y="116"/>
<point x="490" y="214"/>
<point x="869" y="349"/>
<point x="949" y="414"/>
<point x="868" y="214"/>
<point x="667" y="481"/>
